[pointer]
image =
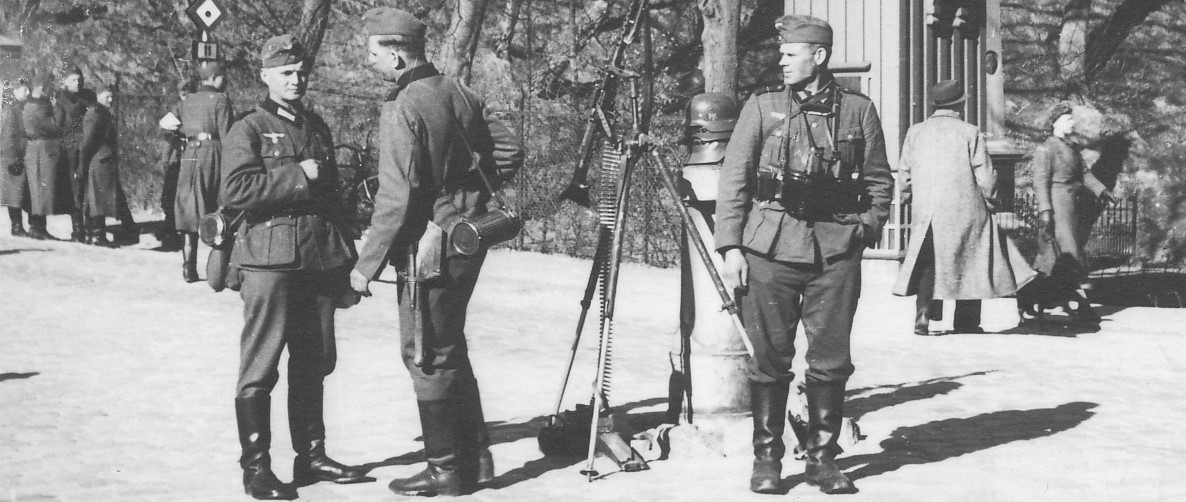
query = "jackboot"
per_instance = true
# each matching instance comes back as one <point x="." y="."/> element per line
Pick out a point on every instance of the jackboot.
<point x="129" y="233"/>
<point x="78" y="228"/>
<point x="825" y="412"/>
<point x="440" y="421"/>
<point x="18" y="229"/>
<point x="255" y="437"/>
<point x="189" y="256"/>
<point x="306" y="423"/>
<point x="97" y="233"/>
<point x="477" y="465"/>
<point x="768" y="403"/>
<point x="37" y="229"/>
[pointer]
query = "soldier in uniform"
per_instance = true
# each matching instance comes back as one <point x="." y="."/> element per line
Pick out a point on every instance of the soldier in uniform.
<point x="99" y="154"/>
<point x="70" y="106"/>
<point x="295" y="257"/>
<point x="430" y="126"/>
<point x="805" y="187"/>
<point x="45" y="166"/>
<point x="205" y="119"/>
<point x="14" y="182"/>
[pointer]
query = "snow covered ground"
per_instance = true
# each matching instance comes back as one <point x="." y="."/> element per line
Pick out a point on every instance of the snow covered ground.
<point x="117" y="380"/>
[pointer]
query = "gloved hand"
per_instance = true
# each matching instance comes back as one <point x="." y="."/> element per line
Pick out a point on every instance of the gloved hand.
<point x="1046" y="222"/>
<point x="1107" y="197"/>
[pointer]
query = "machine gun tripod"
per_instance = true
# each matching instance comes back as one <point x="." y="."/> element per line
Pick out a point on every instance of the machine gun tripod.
<point x="618" y="162"/>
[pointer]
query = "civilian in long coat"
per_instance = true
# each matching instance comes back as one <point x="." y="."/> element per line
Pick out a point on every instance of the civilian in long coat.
<point x="956" y="251"/>
<point x="14" y="183"/>
<point x="99" y="155"/>
<point x="205" y="119"/>
<point x="1062" y="184"/>
<point x="48" y="173"/>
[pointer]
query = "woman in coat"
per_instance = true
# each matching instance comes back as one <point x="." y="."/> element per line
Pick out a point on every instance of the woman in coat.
<point x="1063" y="186"/>
<point x="99" y="153"/>
<point x="205" y="119"/>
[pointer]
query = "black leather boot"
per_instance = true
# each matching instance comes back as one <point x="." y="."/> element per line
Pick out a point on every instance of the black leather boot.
<point x="255" y="437"/>
<point x="306" y="423"/>
<point x="477" y="464"/>
<point x="37" y="229"/>
<point x="97" y="233"/>
<point x="78" y="228"/>
<point x="440" y="421"/>
<point x="825" y="412"/>
<point x="768" y="402"/>
<point x="18" y="229"/>
<point x="189" y="256"/>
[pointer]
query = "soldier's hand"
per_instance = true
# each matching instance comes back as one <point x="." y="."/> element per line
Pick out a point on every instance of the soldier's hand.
<point x="1107" y="197"/>
<point x="311" y="167"/>
<point x="736" y="270"/>
<point x="360" y="283"/>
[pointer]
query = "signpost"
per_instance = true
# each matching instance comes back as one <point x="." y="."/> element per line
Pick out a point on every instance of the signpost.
<point x="206" y="14"/>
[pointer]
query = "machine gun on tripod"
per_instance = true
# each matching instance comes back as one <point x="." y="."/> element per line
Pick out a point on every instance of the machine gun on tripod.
<point x="618" y="161"/>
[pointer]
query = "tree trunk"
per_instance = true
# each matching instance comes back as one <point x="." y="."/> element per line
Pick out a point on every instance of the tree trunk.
<point x="721" y="20"/>
<point x="314" y="18"/>
<point x="461" y="40"/>
<point x="1106" y="38"/>
<point x="1072" y="40"/>
<point x="502" y="47"/>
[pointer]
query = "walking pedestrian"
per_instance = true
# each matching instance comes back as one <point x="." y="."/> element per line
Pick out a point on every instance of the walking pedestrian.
<point x="804" y="188"/>
<point x="294" y="256"/>
<point x="956" y="252"/>
<point x="45" y="165"/>
<point x="14" y="180"/>
<point x="431" y="126"/>
<point x="1063" y="186"/>
<point x="205" y="119"/>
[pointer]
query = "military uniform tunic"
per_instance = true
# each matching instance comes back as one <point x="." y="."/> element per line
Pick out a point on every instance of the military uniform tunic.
<point x="806" y="269"/>
<point x="69" y="110"/>
<point x="291" y="249"/>
<point x="205" y="119"/>
<point x="429" y="126"/>
<point x="14" y="188"/>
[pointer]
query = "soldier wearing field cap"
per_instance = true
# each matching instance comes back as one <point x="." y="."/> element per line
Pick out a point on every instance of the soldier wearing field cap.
<point x="293" y="254"/>
<point x="206" y="116"/>
<point x="45" y="164"/>
<point x="430" y="127"/>
<point x="70" y="106"/>
<point x="14" y="181"/>
<point x="804" y="188"/>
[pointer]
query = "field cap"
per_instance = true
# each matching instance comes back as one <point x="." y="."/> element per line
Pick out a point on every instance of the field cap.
<point x="388" y="21"/>
<point x="281" y="50"/>
<point x="793" y="28"/>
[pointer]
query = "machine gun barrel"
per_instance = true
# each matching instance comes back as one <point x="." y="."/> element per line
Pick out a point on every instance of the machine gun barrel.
<point x="601" y="115"/>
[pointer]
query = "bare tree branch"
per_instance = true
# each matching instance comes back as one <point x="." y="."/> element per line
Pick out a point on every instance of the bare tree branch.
<point x="1105" y="39"/>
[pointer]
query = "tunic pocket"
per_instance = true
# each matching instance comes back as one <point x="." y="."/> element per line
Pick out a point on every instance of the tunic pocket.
<point x="270" y="244"/>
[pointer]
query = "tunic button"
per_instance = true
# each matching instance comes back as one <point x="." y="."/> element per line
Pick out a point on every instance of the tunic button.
<point x="276" y="153"/>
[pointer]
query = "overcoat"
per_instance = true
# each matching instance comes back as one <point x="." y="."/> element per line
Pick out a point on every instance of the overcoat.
<point x="99" y="151"/>
<point x="1061" y="184"/>
<point x="14" y="188"/>
<point x="49" y="176"/>
<point x="205" y="119"/>
<point x="69" y="110"/>
<point x="948" y="176"/>
<point x="292" y="223"/>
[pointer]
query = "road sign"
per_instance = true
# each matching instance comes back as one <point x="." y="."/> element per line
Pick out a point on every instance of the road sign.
<point x="204" y="50"/>
<point x="205" y="13"/>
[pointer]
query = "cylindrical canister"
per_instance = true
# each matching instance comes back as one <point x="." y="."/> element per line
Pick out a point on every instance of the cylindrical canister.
<point x="470" y="235"/>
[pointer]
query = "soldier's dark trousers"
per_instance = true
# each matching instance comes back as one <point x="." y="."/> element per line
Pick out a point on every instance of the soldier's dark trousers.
<point x="454" y="428"/>
<point x="780" y="295"/>
<point x="967" y="312"/>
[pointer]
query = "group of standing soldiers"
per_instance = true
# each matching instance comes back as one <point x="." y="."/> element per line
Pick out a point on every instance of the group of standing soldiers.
<point x="59" y="154"/>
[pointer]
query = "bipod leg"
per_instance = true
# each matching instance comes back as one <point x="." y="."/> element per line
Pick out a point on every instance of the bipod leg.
<point x="586" y="302"/>
<point x="698" y="241"/>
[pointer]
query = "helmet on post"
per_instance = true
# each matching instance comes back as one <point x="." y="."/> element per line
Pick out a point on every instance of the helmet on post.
<point x="710" y="122"/>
